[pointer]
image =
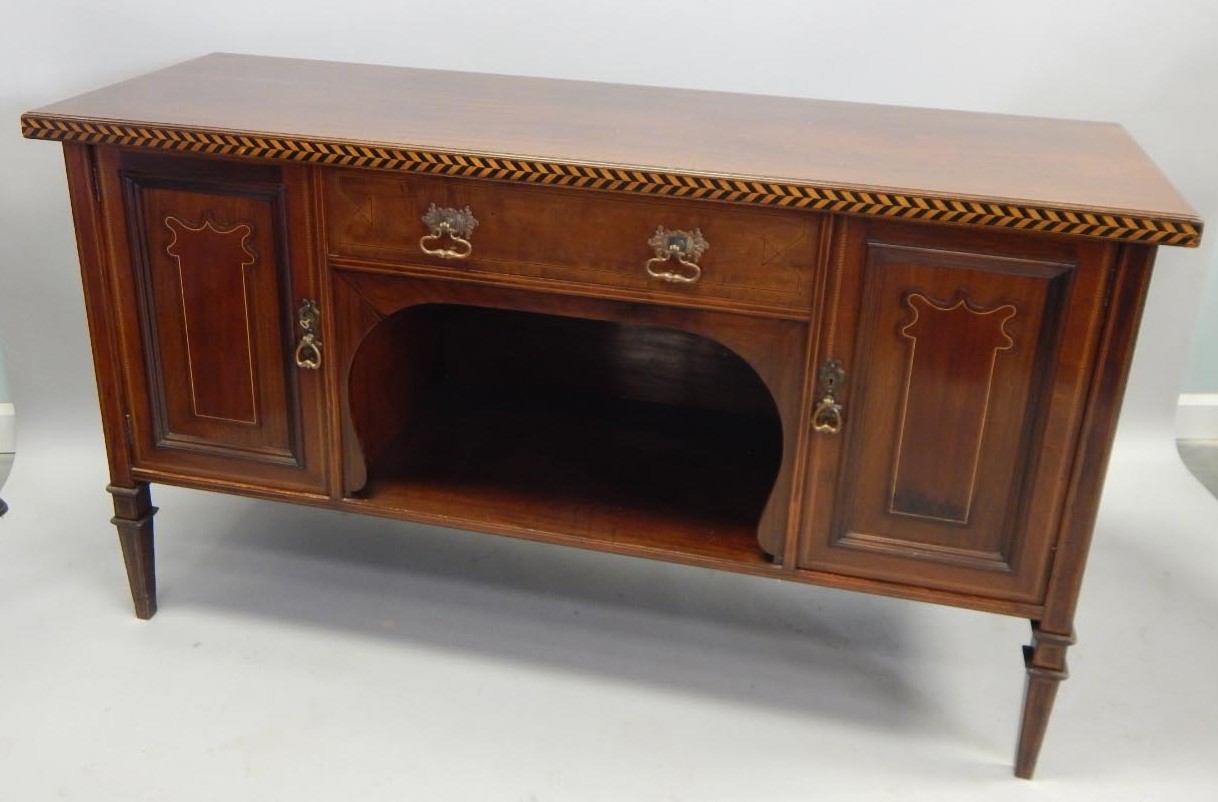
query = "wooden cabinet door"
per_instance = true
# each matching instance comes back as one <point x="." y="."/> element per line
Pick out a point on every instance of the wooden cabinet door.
<point x="209" y="283"/>
<point x="966" y="358"/>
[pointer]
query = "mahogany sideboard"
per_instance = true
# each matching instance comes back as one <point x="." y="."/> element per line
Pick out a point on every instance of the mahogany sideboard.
<point x="866" y="347"/>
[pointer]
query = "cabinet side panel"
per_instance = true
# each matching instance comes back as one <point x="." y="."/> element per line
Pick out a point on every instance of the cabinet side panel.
<point x="1128" y="296"/>
<point x="99" y="303"/>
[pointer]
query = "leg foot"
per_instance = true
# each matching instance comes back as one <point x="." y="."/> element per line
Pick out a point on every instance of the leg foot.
<point x="133" y="513"/>
<point x="1046" y="663"/>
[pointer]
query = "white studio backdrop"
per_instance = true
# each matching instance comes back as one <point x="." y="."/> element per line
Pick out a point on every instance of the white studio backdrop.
<point x="1153" y="69"/>
<point x="241" y="691"/>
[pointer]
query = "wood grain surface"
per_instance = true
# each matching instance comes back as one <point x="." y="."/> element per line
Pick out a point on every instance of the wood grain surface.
<point x="1039" y="167"/>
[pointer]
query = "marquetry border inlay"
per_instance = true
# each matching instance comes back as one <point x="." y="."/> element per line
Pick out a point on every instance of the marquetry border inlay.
<point x="245" y="231"/>
<point x="1010" y="313"/>
<point x="761" y="192"/>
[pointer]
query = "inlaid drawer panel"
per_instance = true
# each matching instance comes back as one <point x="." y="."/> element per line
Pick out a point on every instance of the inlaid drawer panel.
<point x="757" y="257"/>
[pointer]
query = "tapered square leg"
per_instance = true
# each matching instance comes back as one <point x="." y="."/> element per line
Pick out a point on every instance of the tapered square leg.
<point x="133" y="513"/>
<point x="1046" y="664"/>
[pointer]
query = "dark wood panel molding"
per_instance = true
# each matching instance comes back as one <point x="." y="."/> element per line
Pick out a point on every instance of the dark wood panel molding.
<point x="941" y="430"/>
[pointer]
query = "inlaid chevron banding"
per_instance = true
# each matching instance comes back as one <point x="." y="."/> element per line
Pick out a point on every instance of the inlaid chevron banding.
<point x="1149" y="230"/>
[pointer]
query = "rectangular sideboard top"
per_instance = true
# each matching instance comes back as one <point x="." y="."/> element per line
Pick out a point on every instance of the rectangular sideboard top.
<point x="1082" y="178"/>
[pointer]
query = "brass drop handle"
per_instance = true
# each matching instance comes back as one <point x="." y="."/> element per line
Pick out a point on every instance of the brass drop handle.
<point x="676" y="255"/>
<point x="457" y="224"/>
<point x="308" y="349"/>
<point x="827" y="416"/>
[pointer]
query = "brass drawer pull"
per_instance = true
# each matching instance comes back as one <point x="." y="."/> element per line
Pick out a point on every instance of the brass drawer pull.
<point x="685" y="247"/>
<point x="308" y="350"/>
<point x="827" y="417"/>
<point x="457" y="224"/>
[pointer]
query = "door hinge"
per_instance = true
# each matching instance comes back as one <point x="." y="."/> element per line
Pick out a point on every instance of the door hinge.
<point x="129" y="430"/>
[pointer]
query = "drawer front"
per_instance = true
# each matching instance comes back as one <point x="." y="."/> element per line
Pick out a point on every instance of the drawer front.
<point x="755" y="257"/>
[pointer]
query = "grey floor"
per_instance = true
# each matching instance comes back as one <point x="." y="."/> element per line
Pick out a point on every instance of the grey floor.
<point x="1201" y="457"/>
<point x="307" y="655"/>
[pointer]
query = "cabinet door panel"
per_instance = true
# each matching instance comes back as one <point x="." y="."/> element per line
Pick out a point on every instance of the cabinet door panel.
<point x="215" y="292"/>
<point x="966" y="375"/>
<point x="212" y="283"/>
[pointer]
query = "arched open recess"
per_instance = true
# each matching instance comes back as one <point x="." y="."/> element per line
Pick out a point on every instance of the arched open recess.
<point x="591" y="428"/>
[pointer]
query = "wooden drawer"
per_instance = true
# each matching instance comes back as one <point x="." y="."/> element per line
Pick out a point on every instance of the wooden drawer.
<point x="756" y="257"/>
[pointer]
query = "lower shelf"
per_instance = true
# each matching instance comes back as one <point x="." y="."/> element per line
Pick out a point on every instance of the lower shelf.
<point x="648" y="476"/>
